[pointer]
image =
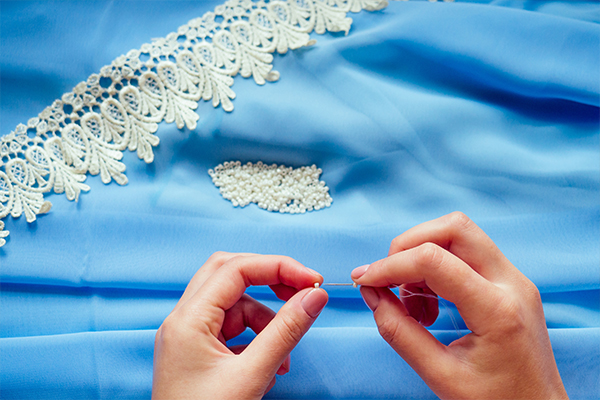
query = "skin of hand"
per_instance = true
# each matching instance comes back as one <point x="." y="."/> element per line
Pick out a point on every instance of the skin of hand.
<point x="507" y="355"/>
<point x="191" y="358"/>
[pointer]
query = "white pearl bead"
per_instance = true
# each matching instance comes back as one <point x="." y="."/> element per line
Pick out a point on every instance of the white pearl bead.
<point x="272" y="187"/>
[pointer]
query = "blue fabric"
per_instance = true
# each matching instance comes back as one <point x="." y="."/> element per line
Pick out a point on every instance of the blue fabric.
<point x="423" y="109"/>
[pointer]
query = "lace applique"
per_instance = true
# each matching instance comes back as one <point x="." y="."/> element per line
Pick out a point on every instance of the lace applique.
<point x="87" y="130"/>
<point x="272" y="187"/>
<point x="3" y="234"/>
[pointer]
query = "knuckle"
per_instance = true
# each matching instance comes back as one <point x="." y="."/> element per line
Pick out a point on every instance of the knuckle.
<point x="234" y="259"/>
<point x="511" y="318"/>
<point x="219" y="257"/>
<point x="237" y="267"/>
<point x="169" y="331"/>
<point x="429" y="255"/>
<point x="388" y="329"/>
<point x="178" y="328"/>
<point x="459" y="220"/>
<point x="285" y="260"/>
<point x="531" y="292"/>
<point x="158" y="336"/>
<point x="395" y="246"/>
<point x="290" y="330"/>
<point x="508" y="308"/>
<point x="233" y="262"/>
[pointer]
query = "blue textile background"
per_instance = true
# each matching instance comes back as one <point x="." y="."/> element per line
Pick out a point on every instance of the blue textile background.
<point x="423" y="109"/>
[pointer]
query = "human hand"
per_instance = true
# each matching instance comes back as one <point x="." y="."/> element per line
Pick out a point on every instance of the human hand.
<point x="507" y="355"/>
<point x="191" y="359"/>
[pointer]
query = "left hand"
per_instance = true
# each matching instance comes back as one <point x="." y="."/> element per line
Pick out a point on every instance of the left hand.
<point x="191" y="358"/>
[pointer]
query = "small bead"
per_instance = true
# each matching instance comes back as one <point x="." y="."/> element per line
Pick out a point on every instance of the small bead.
<point x="273" y="187"/>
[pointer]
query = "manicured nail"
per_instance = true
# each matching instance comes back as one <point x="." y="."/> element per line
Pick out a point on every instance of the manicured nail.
<point x="359" y="271"/>
<point x="370" y="296"/>
<point x="314" y="301"/>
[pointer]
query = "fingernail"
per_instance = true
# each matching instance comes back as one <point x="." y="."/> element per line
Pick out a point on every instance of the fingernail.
<point x="314" y="301"/>
<point x="285" y="367"/>
<point x="359" y="271"/>
<point x="286" y="363"/>
<point x="370" y="296"/>
<point x="313" y="271"/>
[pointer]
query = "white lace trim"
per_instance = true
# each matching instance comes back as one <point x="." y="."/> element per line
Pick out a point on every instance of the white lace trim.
<point x="3" y="234"/>
<point x="87" y="130"/>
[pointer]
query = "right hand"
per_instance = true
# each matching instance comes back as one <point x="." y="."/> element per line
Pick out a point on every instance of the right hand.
<point x="508" y="353"/>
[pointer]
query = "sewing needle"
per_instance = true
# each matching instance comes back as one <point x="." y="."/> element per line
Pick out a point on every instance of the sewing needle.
<point x="336" y="284"/>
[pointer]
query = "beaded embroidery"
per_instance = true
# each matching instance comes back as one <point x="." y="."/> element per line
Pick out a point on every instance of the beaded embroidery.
<point x="272" y="187"/>
<point x="87" y="130"/>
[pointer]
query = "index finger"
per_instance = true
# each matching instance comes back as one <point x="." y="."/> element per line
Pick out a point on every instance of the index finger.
<point x="447" y="275"/>
<point x="214" y="262"/>
<point x="459" y="235"/>
<point x="227" y="284"/>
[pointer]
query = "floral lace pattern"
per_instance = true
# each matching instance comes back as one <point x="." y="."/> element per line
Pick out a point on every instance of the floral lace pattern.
<point x="87" y="130"/>
<point x="3" y="234"/>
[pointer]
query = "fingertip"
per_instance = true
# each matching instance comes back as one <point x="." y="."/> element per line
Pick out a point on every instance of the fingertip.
<point x="312" y="271"/>
<point x="285" y="366"/>
<point x="272" y="346"/>
<point x="314" y="301"/>
<point x="316" y="278"/>
<point x="370" y="296"/>
<point x="359" y="271"/>
<point x="318" y="282"/>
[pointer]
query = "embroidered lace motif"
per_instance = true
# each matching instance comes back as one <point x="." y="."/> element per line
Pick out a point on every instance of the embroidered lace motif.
<point x="3" y="234"/>
<point x="87" y="130"/>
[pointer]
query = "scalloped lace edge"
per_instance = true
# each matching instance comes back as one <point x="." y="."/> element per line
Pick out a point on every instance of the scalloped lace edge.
<point x="87" y="130"/>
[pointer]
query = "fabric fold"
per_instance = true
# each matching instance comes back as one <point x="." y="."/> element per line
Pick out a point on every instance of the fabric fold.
<point x="118" y="365"/>
<point x="489" y="108"/>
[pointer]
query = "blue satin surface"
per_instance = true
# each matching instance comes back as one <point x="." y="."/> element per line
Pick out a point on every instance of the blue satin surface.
<point x="487" y="107"/>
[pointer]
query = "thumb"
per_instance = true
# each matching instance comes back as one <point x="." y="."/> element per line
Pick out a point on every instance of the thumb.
<point x="270" y="347"/>
<point x="415" y="344"/>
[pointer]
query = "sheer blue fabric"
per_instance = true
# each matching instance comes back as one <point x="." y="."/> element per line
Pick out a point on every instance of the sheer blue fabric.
<point x="423" y="109"/>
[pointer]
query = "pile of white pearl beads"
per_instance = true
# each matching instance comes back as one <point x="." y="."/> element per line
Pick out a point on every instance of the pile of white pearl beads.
<point x="272" y="187"/>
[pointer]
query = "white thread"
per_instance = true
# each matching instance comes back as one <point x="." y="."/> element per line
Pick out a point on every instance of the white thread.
<point x="431" y="296"/>
<point x="410" y="294"/>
